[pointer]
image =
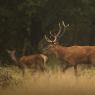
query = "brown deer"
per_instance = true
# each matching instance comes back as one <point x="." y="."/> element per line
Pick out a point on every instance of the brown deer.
<point x="72" y="55"/>
<point x="36" y="61"/>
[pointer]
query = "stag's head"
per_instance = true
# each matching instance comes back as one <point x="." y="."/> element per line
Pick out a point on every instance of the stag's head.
<point x="53" y="38"/>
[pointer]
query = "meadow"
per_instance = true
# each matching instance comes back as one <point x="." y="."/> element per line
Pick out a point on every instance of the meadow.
<point x="51" y="82"/>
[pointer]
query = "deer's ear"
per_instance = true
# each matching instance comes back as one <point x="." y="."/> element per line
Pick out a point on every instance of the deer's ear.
<point x="8" y="51"/>
<point x="11" y="51"/>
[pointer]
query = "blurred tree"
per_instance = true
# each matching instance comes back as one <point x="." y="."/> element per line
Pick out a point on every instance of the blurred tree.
<point x="23" y="23"/>
<point x="20" y="20"/>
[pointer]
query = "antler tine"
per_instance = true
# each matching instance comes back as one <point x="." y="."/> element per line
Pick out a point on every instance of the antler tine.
<point x="55" y="39"/>
<point x="65" y="26"/>
<point x="51" y="34"/>
<point x="59" y="30"/>
<point x="47" y="39"/>
<point x="56" y="36"/>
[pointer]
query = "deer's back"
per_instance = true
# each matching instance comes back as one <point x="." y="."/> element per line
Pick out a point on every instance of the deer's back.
<point x="31" y="59"/>
<point x="77" y="54"/>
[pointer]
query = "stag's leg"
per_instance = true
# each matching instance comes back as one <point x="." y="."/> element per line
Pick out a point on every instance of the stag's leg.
<point x="22" y="68"/>
<point x="93" y="61"/>
<point x="66" y="67"/>
<point x="75" y="70"/>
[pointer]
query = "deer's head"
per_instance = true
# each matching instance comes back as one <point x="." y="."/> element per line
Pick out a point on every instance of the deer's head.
<point x="53" y="38"/>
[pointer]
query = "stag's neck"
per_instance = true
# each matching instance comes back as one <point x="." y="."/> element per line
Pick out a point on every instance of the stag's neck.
<point x="60" y="50"/>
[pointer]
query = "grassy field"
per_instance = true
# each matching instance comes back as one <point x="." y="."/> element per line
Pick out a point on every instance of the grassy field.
<point x="53" y="82"/>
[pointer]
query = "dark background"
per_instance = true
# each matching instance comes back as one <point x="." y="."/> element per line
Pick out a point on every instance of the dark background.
<point x="23" y="23"/>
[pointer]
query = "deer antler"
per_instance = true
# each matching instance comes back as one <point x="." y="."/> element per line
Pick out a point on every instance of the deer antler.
<point x="65" y="26"/>
<point x="56" y="34"/>
<point x="58" y="31"/>
<point x="47" y="39"/>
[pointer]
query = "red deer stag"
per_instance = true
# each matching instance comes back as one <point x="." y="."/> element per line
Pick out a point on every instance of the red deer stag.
<point x="36" y="61"/>
<point x="72" y="55"/>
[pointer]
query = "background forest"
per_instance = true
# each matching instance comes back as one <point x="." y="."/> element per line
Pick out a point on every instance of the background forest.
<point x="23" y="23"/>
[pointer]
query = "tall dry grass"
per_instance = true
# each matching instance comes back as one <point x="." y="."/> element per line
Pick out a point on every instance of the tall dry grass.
<point x="52" y="82"/>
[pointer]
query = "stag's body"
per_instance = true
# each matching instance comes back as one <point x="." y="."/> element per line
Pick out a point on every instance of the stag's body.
<point x="73" y="55"/>
<point x="70" y="56"/>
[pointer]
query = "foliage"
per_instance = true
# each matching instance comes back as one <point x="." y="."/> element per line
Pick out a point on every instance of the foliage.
<point x="26" y="21"/>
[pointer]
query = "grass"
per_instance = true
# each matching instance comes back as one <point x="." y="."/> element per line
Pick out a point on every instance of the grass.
<point x="53" y="82"/>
